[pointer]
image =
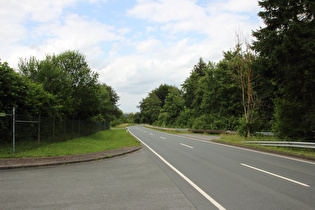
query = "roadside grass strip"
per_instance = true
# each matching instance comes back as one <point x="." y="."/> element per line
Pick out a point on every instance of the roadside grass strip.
<point x="98" y="142"/>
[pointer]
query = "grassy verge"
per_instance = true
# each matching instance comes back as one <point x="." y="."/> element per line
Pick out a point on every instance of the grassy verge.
<point x="101" y="141"/>
<point x="237" y="140"/>
<point x="125" y="125"/>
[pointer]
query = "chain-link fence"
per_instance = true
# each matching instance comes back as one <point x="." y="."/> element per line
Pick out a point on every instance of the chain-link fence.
<point x="33" y="131"/>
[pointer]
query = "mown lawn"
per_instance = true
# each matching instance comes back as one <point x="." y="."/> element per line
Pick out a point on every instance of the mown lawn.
<point x="101" y="141"/>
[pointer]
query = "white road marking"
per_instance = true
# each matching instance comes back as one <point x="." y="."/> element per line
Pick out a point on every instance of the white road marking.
<point x="276" y="175"/>
<point x="151" y="134"/>
<point x="250" y="150"/>
<point x="162" y="137"/>
<point x="186" y="145"/>
<point x="208" y="197"/>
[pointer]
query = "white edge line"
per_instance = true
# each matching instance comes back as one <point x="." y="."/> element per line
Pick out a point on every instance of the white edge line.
<point x="186" y="145"/>
<point x="276" y="175"/>
<point x="214" y="202"/>
<point x="250" y="150"/>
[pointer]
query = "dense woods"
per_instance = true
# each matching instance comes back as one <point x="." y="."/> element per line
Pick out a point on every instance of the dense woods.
<point x="267" y="85"/>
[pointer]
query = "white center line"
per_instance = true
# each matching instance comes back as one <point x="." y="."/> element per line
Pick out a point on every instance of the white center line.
<point x="151" y="134"/>
<point x="186" y="145"/>
<point x="272" y="174"/>
<point x="162" y="137"/>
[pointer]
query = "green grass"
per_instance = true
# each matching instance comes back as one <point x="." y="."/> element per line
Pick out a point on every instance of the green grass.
<point x="125" y="125"/>
<point x="239" y="141"/>
<point x="101" y="141"/>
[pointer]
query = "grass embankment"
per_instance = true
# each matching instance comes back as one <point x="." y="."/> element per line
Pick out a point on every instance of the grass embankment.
<point x="125" y="125"/>
<point x="101" y="141"/>
<point x="237" y="140"/>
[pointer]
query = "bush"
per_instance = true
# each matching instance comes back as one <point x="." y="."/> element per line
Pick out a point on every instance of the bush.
<point x="242" y="127"/>
<point x="289" y="120"/>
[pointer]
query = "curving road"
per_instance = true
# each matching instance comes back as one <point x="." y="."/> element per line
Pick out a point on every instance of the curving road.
<point x="170" y="172"/>
<point x="223" y="177"/>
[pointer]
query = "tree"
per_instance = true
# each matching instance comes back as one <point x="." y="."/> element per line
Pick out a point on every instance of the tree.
<point x="150" y="108"/>
<point x="286" y="46"/>
<point x="108" y="99"/>
<point x="20" y="92"/>
<point x="161" y="92"/>
<point x="69" y="78"/>
<point x="191" y="83"/>
<point x="220" y="94"/>
<point x="242" y="72"/>
<point x="174" y="104"/>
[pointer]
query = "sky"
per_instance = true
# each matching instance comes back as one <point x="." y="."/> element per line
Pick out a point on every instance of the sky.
<point x="134" y="45"/>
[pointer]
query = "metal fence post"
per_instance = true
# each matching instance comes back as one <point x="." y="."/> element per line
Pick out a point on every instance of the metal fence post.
<point x="38" y="134"/>
<point x="13" y="130"/>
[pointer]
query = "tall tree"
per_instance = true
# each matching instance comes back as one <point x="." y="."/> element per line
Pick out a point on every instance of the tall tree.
<point x="69" y="78"/>
<point x="191" y="84"/>
<point x="161" y="92"/>
<point x="150" y="108"/>
<point x="242" y="72"/>
<point x="174" y="104"/>
<point x="20" y="92"/>
<point x="287" y="47"/>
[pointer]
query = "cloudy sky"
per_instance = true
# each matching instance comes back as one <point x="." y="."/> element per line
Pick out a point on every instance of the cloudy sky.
<point x="134" y="45"/>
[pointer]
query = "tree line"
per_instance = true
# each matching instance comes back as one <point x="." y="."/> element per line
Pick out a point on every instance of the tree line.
<point x="266" y="85"/>
<point x="62" y="85"/>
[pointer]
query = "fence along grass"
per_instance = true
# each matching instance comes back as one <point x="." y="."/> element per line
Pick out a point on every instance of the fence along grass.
<point x="29" y="135"/>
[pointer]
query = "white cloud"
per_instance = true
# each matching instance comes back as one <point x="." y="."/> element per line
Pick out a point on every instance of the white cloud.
<point x="78" y="33"/>
<point x="148" y="46"/>
<point x="134" y="50"/>
<point x="164" y="11"/>
<point x="50" y="31"/>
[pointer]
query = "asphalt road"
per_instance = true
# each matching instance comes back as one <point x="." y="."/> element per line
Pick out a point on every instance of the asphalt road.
<point x="215" y="176"/>
<point x="133" y="181"/>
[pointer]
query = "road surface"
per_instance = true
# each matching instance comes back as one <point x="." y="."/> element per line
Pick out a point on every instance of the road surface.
<point x="215" y="176"/>
<point x="133" y="181"/>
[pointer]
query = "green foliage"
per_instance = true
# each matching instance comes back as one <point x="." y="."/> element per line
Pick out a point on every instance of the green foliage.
<point x="101" y="141"/>
<point x="286" y="46"/>
<point x="284" y="126"/>
<point x="173" y="105"/>
<point x="185" y="119"/>
<point x="242" y="128"/>
<point x="22" y="93"/>
<point x="209" y="99"/>
<point x="74" y="87"/>
<point x="150" y="108"/>
<point x="200" y="123"/>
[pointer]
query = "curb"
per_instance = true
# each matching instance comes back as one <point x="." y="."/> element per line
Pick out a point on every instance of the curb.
<point x="15" y="163"/>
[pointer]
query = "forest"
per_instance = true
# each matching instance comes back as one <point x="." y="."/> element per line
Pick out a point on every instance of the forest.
<point x="265" y="85"/>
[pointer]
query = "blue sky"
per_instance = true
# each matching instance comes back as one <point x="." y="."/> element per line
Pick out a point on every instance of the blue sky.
<point x="134" y="45"/>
